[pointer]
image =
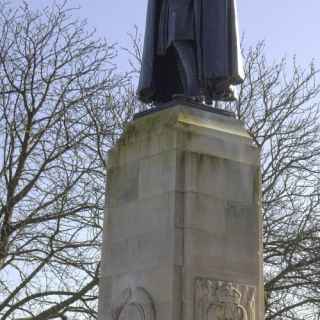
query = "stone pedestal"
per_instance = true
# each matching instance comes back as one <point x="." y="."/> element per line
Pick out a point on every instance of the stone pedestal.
<point x="182" y="234"/>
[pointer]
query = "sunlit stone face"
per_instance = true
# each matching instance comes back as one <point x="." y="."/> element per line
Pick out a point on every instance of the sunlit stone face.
<point x="216" y="313"/>
<point x="226" y="312"/>
<point x="131" y="312"/>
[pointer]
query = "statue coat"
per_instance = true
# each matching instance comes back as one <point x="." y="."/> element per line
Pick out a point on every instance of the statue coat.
<point x="213" y="27"/>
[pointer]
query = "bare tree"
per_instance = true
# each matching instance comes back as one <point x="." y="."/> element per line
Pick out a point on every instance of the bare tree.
<point x="279" y="103"/>
<point x="63" y="104"/>
<point x="61" y="107"/>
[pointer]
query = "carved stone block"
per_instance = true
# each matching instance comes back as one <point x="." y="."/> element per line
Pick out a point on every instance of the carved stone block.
<point x="221" y="300"/>
<point x="183" y="203"/>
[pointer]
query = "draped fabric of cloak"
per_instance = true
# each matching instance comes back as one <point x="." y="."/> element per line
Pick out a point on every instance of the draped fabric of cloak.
<point x="213" y="28"/>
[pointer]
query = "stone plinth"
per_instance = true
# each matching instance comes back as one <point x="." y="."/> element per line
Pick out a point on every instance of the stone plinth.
<point x="182" y="234"/>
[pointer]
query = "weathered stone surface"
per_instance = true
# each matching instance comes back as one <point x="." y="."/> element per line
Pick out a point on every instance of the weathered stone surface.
<point x="130" y="219"/>
<point x="161" y="282"/>
<point x="219" y="177"/>
<point x="144" y="251"/>
<point x="224" y="300"/>
<point x="157" y="174"/>
<point x="182" y="208"/>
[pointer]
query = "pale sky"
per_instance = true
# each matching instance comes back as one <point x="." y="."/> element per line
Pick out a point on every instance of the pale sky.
<point x="289" y="27"/>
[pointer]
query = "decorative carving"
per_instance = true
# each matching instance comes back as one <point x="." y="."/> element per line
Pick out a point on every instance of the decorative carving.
<point x="220" y="300"/>
<point x="134" y="304"/>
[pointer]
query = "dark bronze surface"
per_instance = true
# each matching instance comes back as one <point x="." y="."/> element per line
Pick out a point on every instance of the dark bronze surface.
<point x="192" y="48"/>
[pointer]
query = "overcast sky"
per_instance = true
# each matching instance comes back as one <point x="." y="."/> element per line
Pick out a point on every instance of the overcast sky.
<point x="289" y="27"/>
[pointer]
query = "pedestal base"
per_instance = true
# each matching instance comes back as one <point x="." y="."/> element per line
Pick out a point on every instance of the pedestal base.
<point x="182" y="234"/>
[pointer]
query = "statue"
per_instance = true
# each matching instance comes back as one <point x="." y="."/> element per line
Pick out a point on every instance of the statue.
<point x="191" y="49"/>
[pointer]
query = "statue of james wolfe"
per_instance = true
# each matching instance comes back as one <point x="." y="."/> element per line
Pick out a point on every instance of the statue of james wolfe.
<point x="192" y="49"/>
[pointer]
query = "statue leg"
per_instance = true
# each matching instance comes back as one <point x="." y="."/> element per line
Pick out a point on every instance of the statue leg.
<point x="188" y="67"/>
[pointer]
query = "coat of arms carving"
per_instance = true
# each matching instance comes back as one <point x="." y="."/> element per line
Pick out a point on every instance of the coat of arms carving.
<point x="221" y="300"/>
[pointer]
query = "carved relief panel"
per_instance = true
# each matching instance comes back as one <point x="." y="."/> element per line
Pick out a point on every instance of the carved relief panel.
<point x="220" y="300"/>
<point x="134" y="304"/>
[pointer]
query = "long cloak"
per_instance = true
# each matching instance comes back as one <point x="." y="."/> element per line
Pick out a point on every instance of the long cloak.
<point x="217" y="50"/>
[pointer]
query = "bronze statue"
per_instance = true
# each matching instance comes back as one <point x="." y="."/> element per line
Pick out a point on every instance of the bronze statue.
<point x="191" y="49"/>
